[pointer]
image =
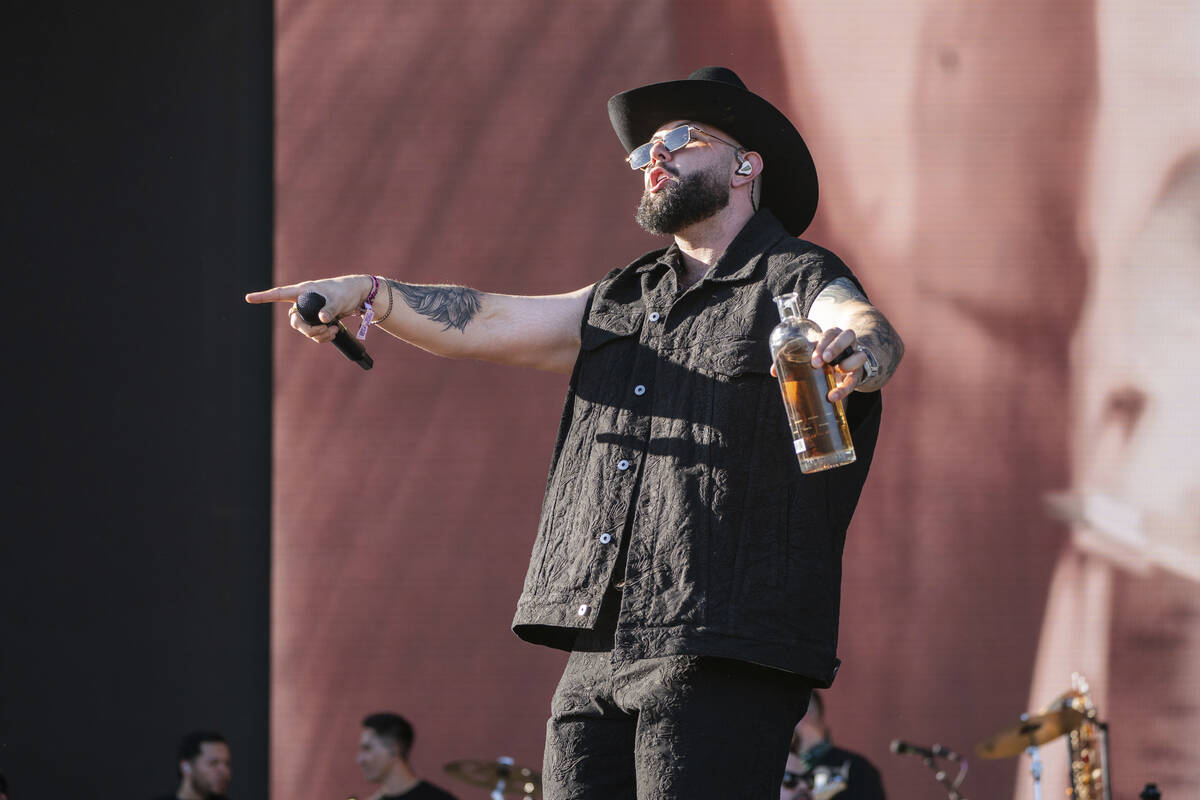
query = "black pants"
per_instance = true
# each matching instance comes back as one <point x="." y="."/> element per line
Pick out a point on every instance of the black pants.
<point x="671" y="728"/>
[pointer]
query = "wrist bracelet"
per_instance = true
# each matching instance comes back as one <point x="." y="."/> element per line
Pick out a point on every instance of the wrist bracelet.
<point x="374" y="291"/>
<point x="368" y="313"/>
<point x="387" y="313"/>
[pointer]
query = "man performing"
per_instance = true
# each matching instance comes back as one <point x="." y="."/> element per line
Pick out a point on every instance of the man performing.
<point x="683" y="559"/>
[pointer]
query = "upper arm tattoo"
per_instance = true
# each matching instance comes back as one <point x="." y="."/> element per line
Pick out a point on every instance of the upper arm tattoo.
<point x="839" y="290"/>
<point x="454" y="306"/>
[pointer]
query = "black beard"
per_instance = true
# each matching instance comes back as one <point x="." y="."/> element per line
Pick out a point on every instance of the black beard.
<point x="683" y="202"/>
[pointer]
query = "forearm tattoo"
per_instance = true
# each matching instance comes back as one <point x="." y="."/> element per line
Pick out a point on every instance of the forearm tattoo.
<point x="453" y="306"/>
<point x="871" y="328"/>
<point x="886" y="346"/>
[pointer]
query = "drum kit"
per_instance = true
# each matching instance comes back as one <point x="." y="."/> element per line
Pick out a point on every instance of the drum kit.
<point x="502" y="777"/>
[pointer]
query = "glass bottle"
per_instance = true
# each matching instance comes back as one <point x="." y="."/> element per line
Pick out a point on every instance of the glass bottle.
<point x="819" y="429"/>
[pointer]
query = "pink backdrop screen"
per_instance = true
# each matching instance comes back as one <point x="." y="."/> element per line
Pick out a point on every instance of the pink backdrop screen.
<point x="1007" y="180"/>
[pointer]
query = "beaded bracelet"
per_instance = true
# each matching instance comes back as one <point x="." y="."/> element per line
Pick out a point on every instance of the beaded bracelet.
<point x="368" y="312"/>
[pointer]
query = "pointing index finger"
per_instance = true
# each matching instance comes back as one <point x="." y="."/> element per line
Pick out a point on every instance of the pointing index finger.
<point x="280" y="294"/>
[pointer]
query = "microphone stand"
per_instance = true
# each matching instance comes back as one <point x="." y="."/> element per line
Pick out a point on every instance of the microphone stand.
<point x="942" y="778"/>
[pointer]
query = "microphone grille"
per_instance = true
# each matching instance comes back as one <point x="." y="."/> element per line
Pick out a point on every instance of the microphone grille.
<point x="309" y="305"/>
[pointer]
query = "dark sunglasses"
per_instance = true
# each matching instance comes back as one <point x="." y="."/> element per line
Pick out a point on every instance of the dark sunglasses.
<point x="673" y="140"/>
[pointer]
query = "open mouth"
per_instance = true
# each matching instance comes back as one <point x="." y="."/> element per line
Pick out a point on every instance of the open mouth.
<point x="657" y="179"/>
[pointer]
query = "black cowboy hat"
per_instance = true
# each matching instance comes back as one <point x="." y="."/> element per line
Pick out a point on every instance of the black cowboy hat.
<point x="717" y="96"/>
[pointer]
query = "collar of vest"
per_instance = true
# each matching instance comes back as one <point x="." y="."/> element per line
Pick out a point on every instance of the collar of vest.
<point x="739" y="260"/>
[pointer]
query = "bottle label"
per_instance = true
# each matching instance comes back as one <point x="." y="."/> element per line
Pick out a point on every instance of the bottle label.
<point x="799" y="443"/>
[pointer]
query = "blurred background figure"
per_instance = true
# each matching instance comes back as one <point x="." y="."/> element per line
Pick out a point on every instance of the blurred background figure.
<point x="3" y="787"/>
<point x="383" y="752"/>
<point x="205" y="767"/>
<point x="817" y="770"/>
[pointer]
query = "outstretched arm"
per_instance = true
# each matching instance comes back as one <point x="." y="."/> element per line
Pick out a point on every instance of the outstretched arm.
<point x="848" y="320"/>
<point x="452" y="321"/>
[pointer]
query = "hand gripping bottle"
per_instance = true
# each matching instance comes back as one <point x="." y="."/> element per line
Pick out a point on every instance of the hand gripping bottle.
<point x="819" y="428"/>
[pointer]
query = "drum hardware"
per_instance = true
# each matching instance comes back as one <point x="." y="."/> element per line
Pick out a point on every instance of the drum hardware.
<point x="502" y="776"/>
<point x="1035" y="769"/>
<point x="1031" y="730"/>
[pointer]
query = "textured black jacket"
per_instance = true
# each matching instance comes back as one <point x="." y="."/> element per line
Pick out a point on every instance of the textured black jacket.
<point x="674" y="445"/>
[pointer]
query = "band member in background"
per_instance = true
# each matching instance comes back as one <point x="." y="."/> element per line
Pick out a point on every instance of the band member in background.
<point x="817" y="770"/>
<point x="383" y="752"/>
<point x="205" y="767"/>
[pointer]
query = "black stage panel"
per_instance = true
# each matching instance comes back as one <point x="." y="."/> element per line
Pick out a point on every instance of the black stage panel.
<point x="135" y="553"/>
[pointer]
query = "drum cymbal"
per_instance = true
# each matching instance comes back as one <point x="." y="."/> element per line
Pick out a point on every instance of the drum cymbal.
<point x="1032" y="729"/>
<point x="518" y="780"/>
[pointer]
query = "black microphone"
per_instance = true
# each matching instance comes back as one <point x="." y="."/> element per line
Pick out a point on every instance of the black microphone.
<point x="309" y="305"/>
<point x="900" y="747"/>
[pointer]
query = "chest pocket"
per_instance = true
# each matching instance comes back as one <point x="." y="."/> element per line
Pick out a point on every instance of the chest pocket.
<point x="746" y="414"/>
<point x="608" y="350"/>
<point x="605" y="327"/>
<point x="738" y="376"/>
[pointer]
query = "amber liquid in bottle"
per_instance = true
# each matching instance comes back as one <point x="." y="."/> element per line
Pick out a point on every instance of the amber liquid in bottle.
<point x="819" y="429"/>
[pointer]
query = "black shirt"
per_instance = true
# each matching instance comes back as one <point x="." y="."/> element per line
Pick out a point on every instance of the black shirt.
<point x="674" y="451"/>
<point x="422" y="791"/>
<point x="826" y="763"/>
